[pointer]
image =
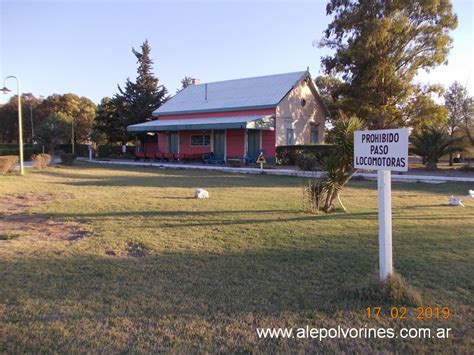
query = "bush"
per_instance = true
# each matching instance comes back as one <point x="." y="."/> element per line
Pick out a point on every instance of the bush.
<point x="308" y="162"/>
<point x="67" y="158"/>
<point x="288" y="154"/>
<point x="313" y="196"/>
<point x="8" y="163"/>
<point x="27" y="151"/>
<point x="41" y="160"/>
<point x="466" y="168"/>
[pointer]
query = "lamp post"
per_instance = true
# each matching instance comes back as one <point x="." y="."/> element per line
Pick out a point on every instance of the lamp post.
<point x="20" y="119"/>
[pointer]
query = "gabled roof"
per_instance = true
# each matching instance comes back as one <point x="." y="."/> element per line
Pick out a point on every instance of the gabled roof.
<point x="239" y="94"/>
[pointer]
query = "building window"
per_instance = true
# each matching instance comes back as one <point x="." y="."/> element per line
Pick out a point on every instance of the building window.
<point x="290" y="136"/>
<point x="314" y="134"/>
<point x="201" y="140"/>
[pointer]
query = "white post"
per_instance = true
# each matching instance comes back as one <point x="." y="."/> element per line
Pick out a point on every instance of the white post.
<point x="261" y="168"/>
<point x="385" y="223"/>
<point x="90" y="152"/>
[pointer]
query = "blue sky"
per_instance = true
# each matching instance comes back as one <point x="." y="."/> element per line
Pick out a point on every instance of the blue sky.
<point x="84" y="47"/>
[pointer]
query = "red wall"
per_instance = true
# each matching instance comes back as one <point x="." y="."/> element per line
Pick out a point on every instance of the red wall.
<point x="219" y="114"/>
<point x="162" y="142"/>
<point x="268" y="143"/>
<point x="235" y="143"/>
<point x="151" y="145"/>
<point x="185" y="143"/>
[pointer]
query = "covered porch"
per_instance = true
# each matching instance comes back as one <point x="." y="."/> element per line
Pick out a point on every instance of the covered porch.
<point x="217" y="139"/>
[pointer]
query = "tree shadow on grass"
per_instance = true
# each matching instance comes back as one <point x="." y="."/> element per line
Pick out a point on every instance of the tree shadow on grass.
<point x="191" y="283"/>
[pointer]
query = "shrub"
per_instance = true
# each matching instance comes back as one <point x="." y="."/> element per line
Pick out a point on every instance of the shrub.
<point x="466" y="168"/>
<point x="8" y="163"/>
<point x="67" y="158"/>
<point x="81" y="150"/>
<point x="431" y="143"/>
<point x="13" y="150"/>
<point x="313" y="195"/>
<point x="308" y="162"/>
<point x="41" y="160"/>
<point x="235" y="162"/>
<point x="288" y="154"/>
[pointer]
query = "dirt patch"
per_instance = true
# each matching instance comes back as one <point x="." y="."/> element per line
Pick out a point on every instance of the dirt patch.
<point x="15" y="220"/>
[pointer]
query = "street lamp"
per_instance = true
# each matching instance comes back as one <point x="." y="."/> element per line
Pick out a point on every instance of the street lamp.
<point x="20" y="119"/>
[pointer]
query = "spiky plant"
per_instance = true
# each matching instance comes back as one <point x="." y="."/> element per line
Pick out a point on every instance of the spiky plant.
<point x="431" y="143"/>
<point x="339" y="167"/>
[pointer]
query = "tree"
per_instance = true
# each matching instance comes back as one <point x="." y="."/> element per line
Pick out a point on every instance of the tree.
<point x="55" y="129"/>
<point x="80" y="109"/>
<point x="9" y="118"/>
<point x="185" y="82"/>
<point x="338" y="167"/>
<point x="331" y="91"/>
<point x="380" y="45"/>
<point x="106" y="123"/>
<point x="459" y="106"/>
<point x="431" y="143"/>
<point x="136" y="102"/>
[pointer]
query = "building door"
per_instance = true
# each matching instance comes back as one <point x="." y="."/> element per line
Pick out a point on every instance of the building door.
<point x="253" y="144"/>
<point x="173" y="142"/>
<point x="219" y="144"/>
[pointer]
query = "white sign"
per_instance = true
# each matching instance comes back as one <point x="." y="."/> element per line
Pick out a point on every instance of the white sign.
<point x="385" y="149"/>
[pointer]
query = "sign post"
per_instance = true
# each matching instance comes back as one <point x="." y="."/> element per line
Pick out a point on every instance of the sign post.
<point x="383" y="150"/>
<point x="261" y="160"/>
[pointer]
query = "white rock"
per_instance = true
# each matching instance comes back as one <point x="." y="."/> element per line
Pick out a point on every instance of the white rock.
<point x="201" y="193"/>
<point x="471" y="193"/>
<point x="455" y="201"/>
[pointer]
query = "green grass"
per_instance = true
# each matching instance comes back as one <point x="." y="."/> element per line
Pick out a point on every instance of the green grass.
<point x="161" y="271"/>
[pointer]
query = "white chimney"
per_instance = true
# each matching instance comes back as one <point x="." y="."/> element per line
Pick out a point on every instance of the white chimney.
<point x="195" y="81"/>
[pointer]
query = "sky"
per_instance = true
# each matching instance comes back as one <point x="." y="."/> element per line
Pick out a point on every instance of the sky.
<point x="84" y="47"/>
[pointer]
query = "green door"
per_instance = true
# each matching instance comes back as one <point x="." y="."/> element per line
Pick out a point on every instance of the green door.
<point x="173" y="141"/>
<point x="253" y="143"/>
<point x="219" y="145"/>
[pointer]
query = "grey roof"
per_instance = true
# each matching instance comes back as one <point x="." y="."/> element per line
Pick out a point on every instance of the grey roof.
<point x="239" y="94"/>
<point x="200" y="123"/>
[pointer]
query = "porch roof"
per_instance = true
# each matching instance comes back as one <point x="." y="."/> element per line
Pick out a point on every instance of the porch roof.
<point x="192" y="124"/>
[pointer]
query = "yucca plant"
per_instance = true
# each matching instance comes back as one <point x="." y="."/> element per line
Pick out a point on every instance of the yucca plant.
<point x="339" y="167"/>
<point x="431" y="143"/>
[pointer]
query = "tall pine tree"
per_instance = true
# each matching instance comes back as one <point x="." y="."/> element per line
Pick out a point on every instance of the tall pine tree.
<point x="136" y="102"/>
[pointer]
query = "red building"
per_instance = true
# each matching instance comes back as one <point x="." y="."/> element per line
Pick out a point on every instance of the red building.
<point x="236" y="119"/>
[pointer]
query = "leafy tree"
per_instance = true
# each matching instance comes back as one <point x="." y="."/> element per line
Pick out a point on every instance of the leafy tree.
<point x="331" y="91"/>
<point x="136" y="102"/>
<point x="380" y="45"/>
<point x="459" y="106"/>
<point x="80" y="109"/>
<point x="54" y="129"/>
<point x="431" y="143"/>
<point x="9" y="118"/>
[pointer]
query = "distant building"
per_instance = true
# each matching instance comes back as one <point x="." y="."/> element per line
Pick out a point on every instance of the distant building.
<point x="237" y="118"/>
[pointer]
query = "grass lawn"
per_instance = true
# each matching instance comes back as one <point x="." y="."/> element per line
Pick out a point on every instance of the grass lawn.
<point x="124" y="259"/>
